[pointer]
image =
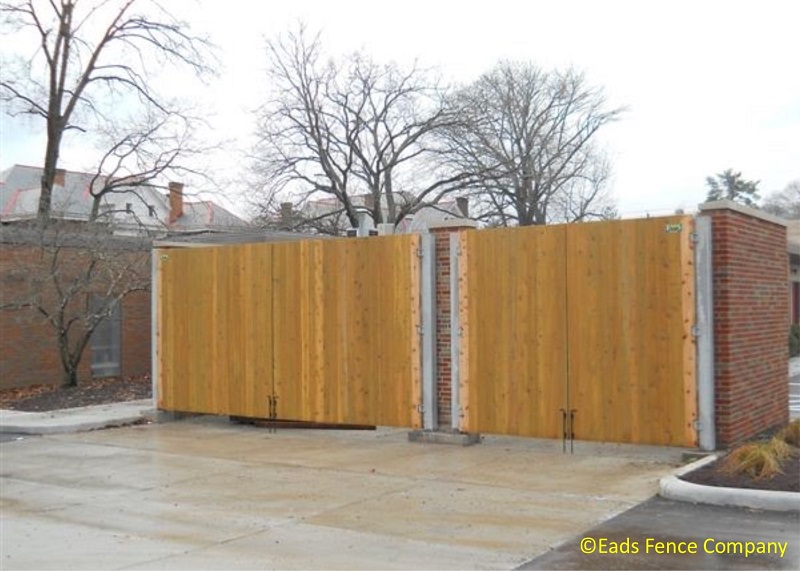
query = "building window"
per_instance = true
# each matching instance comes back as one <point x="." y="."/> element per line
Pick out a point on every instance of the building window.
<point x="106" y="339"/>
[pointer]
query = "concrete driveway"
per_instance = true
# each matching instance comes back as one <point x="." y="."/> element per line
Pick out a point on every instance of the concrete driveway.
<point x="205" y="493"/>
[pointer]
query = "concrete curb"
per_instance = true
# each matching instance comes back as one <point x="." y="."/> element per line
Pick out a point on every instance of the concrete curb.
<point x="673" y="488"/>
<point x="74" y="419"/>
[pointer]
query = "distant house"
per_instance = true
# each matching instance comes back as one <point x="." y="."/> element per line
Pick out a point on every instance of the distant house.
<point x="134" y="210"/>
<point x="330" y="214"/>
<point x="136" y="216"/>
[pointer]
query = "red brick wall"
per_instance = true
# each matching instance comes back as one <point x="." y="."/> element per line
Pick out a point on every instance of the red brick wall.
<point x="443" y="355"/>
<point x="136" y="335"/>
<point x="750" y="276"/>
<point x="28" y="344"/>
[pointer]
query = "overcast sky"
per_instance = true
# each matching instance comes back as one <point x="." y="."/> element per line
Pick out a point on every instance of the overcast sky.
<point x="710" y="85"/>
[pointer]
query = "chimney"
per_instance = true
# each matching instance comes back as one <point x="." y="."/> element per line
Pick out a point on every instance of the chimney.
<point x="60" y="178"/>
<point x="175" y="201"/>
<point x="369" y="202"/>
<point x="286" y="214"/>
<point x="463" y="205"/>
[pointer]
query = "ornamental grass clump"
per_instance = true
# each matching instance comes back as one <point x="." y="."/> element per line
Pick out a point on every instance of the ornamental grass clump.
<point x="790" y="434"/>
<point x="761" y="460"/>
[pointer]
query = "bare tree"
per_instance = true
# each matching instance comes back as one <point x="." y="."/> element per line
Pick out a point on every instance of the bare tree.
<point x="532" y="133"/>
<point x="144" y="150"/>
<point x="585" y="197"/>
<point x="351" y="128"/>
<point x="73" y="278"/>
<point x="784" y="203"/>
<point x="96" y="56"/>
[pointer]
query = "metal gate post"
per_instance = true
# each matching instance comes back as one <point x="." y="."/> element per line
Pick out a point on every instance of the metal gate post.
<point x="455" y="335"/>
<point x="705" y="334"/>
<point x="428" y="302"/>
<point x="155" y="300"/>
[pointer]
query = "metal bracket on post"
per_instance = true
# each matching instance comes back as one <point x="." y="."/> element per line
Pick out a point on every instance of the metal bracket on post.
<point x="428" y="330"/>
<point x="704" y="309"/>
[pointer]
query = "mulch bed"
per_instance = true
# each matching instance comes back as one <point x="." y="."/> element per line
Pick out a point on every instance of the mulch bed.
<point x="712" y="475"/>
<point x="42" y="398"/>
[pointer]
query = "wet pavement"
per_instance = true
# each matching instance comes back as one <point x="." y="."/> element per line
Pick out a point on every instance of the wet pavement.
<point x="725" y="532"/>
<point x="207" y="494"/>
<point x="794" y="388"/>
<point x="12" y="436"/>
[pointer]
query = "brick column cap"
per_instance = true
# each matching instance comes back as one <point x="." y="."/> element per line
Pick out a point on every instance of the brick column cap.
<point x="453" y="224"/>
<point x="708" y="207"/>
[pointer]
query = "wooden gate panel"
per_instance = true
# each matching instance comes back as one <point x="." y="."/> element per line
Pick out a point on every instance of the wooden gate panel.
<point x="517" y="334"/>
<point x="630" y="315"/>
<point x="328" y="327"/>
<point x="593" y="318"/>
<point x="215" y="335"/>
<point x="345" y="331"/>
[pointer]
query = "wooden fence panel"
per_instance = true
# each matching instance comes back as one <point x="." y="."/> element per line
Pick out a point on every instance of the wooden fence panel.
<point x="516" y="342"/>
<point x="631" y="309"/>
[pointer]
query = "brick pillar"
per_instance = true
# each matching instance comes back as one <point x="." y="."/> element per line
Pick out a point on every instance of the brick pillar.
<point x="441" y="232"/>
<point x="750" y="281"/>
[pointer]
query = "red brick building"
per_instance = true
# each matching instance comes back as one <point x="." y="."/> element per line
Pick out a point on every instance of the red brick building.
<point x="38" y="273"/>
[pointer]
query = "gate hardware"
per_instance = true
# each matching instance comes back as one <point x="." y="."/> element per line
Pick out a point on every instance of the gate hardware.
<point x="273" y="410"/>
<point x="568" y="433"/>
<point x="572" y="430"/>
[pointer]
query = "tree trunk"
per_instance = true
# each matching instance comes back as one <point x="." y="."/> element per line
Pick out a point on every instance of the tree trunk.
<point x="70" y="377"/>
<point x="95" y="209"/>
<point x="49" y="172"/>
<point x="69" y="364"/>
<point x="391" y="207"/>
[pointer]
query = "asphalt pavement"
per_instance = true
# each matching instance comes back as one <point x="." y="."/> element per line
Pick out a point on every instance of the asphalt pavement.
<point x="721" y="538"/>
